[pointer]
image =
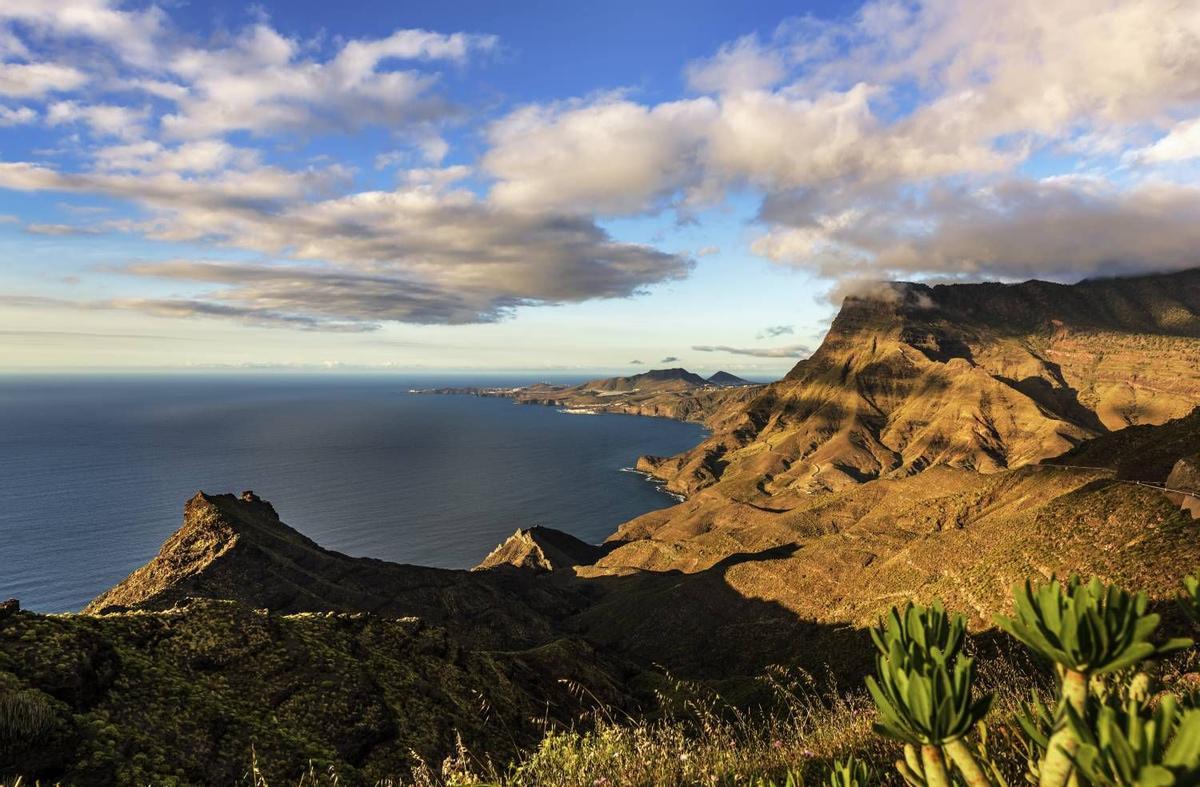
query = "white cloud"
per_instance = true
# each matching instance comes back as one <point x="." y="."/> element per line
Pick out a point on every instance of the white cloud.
<point x="738" y="66"/>
<point x="612" y="156"/>
<point x="791" y="351"/>
<point x="262" y="83"/>
<point x="207" y="155"/>
<point x="61" y="230"/>
<point x="105" y="120"/>
<point x="31" y="80"/>
<point x="1180" y="144"/>
<point x="133" y="34"/>
<point x="18" y="116"/>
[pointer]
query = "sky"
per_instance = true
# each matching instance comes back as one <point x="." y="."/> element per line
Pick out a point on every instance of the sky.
<point x="560" y="186"/>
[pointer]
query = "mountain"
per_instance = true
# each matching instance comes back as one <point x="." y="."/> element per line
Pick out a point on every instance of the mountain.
<point x="653" y="380"/>
<point x="978" y="376"/>
<point x="541" y="549"/>
<point x="664" y="393"/>
<point x="725" y="378"/>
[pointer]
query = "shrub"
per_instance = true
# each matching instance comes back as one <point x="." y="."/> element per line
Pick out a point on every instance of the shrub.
<point x="25" y="716"/>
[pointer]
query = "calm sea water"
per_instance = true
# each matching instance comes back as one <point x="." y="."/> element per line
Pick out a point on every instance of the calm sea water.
<point x="94" y="471"/>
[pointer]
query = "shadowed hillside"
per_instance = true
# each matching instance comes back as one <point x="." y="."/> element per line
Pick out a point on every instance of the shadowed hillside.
<point x="1141" y="453"/>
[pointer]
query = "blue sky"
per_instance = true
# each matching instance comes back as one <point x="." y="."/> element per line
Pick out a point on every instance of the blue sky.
<point x="564" y="186"/>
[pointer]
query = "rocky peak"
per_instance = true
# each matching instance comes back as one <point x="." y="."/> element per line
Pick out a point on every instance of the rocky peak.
<point x="541" y="549"/>
<point x="236" y="548"/>
<point x="213" y="527"/>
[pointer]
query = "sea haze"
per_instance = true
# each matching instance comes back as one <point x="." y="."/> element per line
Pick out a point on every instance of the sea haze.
<point x="94" y="472"/>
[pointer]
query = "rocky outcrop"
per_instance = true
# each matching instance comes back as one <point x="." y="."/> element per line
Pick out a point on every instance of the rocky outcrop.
<point x="236" y="548"/>
<point x="541" y="549"/>
<point x="1185" y="476"/>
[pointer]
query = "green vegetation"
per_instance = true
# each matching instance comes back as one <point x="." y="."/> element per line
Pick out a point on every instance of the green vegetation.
<point x="1116" y="706"/>
<point x="1100" y="722"/>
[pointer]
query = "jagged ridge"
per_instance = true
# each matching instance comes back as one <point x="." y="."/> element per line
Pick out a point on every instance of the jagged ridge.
<point x="236" y="548"/>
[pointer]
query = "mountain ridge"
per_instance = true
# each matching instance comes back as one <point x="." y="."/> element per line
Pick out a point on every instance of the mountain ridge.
<point x="917" y="376"/>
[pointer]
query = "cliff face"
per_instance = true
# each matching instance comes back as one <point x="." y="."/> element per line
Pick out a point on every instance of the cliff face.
<point x="982" y="377"/>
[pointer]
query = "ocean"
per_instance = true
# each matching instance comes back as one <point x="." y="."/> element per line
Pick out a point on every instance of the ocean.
<point x="94" y="471"/>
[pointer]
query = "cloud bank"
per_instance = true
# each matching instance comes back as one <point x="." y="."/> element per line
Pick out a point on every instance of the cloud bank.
<point x="1012" y="139"/>
<point x="907" y="140"/>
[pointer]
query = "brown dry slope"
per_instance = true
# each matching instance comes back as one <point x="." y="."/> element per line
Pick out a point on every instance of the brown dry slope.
<point x="984" y="377"/>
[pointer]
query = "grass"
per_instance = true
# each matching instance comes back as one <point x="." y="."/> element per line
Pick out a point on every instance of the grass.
<point x="703" y="742"/>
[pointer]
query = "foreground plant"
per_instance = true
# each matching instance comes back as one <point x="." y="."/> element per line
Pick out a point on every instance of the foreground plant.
<point x="1190" y="600"/>
<point x="924" y="690"/>
<point x="851" y="773"/>
<point x="1087" y="630"/>
<point x="1128" y="745"/>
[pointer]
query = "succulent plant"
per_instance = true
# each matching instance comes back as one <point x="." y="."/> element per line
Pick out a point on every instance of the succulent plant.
<point x="926" y="700"/>
<point x="1126" y="745"/>
<point x="1091" y="628"/>
<point x="921" y="628"/>
<point x="1190" y="600"/>
<point x="851" y="773"/>
<point x="1087" y="629"/>
<point x="923" y="688"/>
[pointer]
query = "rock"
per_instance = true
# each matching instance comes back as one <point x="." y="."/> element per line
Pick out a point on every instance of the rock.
<point x="1185" y="476"/>
<point x="541" y="549"/>
<point x="9" y="608"/>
